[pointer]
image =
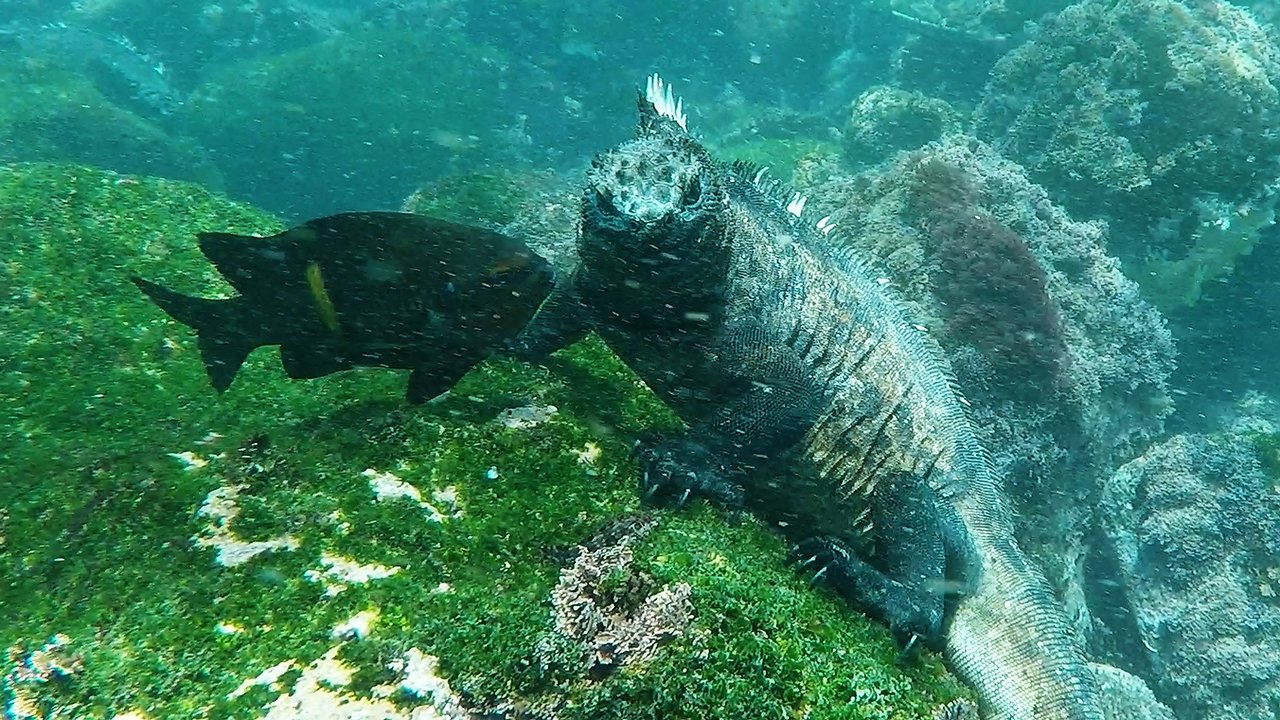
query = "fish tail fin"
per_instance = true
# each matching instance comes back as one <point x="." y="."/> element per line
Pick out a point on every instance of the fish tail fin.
<point x="224" y="345"/>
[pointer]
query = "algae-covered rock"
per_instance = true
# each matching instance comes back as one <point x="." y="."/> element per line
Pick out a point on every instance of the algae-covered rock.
<point x="769" y="136"/>
<point x="484" y="199"/>
<point x="52" y="115"/>
<point x="356" y="121"/>
<point x="885" y="120"/>
<point x="296" y="546"/>
<point x="1193" y="533"/>
<point x="1052" y="436"/>
<point x="1156" y="115"/>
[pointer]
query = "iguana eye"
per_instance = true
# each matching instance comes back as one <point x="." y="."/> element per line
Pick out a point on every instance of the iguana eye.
<point x="692" y="193"/>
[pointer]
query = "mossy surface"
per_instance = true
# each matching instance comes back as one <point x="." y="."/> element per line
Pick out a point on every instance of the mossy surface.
<point x="97" y="517"/>
<point x="780" y="155"/>
<point x="49" y="114"/>
<point x="485" y="199"/>
<point x="332" y="134"/>
<point x="1267" y="447"/>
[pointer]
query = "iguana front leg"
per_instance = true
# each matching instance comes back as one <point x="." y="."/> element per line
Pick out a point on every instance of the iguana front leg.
<point x="911" y="612"/>
<point x="760" y="414"/>
<point x="561" y="321"/>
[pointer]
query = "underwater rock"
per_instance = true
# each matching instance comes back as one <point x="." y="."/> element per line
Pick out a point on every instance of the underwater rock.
<point x="985" y="269"/>
<point x="1125" y="696"/>
<point x="1097" y="106"/>
<point x="383" y="557"/>
<point x="118" y="68"/>
<point x="540" y="208"/>
<point x="356" y="121"/>
<point x="1052" y="439"/>
<point x="989" y="20"/>
<point x="769" y="136"/>
<point x="50" y="114"/>
<point x="885" y="120"/>
<point x="1193" y="529"/>
<point x="944" y="49"/>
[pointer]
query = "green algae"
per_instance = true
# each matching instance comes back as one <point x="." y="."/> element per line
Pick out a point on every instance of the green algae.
<point x="485" y="199"/>
<point x="54" y="115"/>
<point x="99" y="526"/>
<point x="780" y="155"/>
<point x="413" y="118"/>
<point x="1267" y="448"/>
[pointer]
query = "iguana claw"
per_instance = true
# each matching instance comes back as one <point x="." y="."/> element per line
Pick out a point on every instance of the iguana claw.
<point x="678" y="469"/>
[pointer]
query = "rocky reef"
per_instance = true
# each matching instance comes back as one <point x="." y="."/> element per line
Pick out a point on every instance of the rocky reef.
<point x="1097" y="105"/>
<point x="52" y="114"/>
<point x="305" y="133"/>
<point x="886" y="120"/>
<point x="318" y="549"/>
<point x="1193" y="541"/>
<point x="1099" y="356"/>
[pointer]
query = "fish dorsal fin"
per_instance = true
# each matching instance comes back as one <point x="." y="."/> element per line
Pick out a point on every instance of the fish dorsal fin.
<point x="251" y="263"/>
<point x="226" y="252"/>
<point x="660" y="109"/>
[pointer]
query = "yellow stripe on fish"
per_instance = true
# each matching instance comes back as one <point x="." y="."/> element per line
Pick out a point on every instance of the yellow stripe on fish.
<point x="320" y="296"/>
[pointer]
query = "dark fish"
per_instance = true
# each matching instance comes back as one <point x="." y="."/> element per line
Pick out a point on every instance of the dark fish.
<point x="376" y="289"/>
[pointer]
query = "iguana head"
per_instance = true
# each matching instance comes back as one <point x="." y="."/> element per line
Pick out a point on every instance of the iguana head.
<point x="654" y="205"/>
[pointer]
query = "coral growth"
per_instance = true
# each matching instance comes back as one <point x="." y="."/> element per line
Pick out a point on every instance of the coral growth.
<point x="1193" y="528"/>
<point x="992" y="289"/>
<point x="1138" y="111"/>
<point x="885" y="120"/>
<point x="604" y="603"/>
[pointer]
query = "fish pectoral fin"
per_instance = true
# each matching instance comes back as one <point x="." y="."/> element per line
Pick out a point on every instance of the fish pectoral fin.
<point x="427" y="381"/>
<point x="307" y="362"/>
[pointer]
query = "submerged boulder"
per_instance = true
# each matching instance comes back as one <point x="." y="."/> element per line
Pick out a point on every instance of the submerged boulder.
<point x="1192" y="528"/>
<point x="355" y="121"/>
<point x="52" y="114"/>
<point x="1097" y="106"/>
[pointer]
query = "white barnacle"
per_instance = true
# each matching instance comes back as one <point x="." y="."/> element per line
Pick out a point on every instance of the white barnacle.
<point x="659" y="94"/>
<point x="189" y="460"/>
<point x="796" y="206"/>
<point x="825" y="226"/>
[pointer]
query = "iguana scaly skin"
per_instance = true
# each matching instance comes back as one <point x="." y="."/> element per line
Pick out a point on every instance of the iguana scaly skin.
<point x="811" y="398"/>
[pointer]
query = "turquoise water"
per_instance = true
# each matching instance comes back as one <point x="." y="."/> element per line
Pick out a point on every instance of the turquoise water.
<point x="1076" y="200"/>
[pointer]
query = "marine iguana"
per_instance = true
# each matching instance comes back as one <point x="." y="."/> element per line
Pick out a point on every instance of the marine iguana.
<point x="812" y="398"/>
